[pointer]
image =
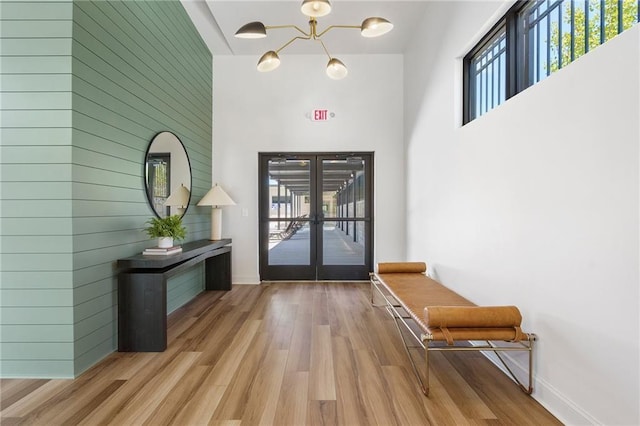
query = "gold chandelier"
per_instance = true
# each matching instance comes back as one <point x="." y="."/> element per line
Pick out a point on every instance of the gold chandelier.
<point x="370" y="27"/>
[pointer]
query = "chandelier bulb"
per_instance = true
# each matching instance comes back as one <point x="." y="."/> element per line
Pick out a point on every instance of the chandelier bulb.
<point x="375" y="27"/>
<point x="336" y="70"/>
<point x="315" y="8"/>
<point x="269" y="62"/>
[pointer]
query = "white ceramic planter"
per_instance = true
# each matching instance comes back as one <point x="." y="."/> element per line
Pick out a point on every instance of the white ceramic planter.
<point x="165" y="242"/>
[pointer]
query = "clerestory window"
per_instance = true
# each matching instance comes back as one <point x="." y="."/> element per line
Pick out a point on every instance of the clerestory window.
<point x="534" y="39"/>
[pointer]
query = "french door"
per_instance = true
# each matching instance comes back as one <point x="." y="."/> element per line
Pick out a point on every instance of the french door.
<point x="316" y="216"/>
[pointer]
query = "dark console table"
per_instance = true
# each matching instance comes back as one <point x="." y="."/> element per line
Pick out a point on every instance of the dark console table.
<point x="142" y="290"/>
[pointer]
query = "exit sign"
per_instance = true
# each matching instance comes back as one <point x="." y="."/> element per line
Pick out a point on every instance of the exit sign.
<point x="321" y="115"/>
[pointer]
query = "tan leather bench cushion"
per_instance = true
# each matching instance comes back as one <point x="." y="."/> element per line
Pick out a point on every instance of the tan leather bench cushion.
<point x="415" y="291"/>
<point x="418" y="293"/>
<point x="472" y="316"/>
<point x="473" y="323"/>
<point x="401" y="267"/>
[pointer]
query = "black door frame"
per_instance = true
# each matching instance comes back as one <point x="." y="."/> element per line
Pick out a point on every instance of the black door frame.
<point x="316" y="270"/>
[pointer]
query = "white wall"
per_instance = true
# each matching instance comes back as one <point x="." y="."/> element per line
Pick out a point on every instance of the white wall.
<point x="265" y="112"/>
<point x="536" y="204"/>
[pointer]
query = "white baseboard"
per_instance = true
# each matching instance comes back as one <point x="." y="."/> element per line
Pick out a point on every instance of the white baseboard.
<point x="239" y="280"/>
<point x="563" y="408"/>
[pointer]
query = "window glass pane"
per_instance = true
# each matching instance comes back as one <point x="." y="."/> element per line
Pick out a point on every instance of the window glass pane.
<point x="343" y="188"/>
<point x="289" y="243"/>
<point x="343" y="243"/>
<point x="289" y="239"/>
<point x="488" y="81"/>
<point x="547" y="36"/>
<point x="289" y="182"/>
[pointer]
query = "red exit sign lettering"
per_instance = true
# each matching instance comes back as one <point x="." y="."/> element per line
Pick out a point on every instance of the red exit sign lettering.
<point x="319" y="115"/>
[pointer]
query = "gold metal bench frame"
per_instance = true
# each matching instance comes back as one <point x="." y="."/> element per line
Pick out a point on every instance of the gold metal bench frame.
<point x="426" y="340"/>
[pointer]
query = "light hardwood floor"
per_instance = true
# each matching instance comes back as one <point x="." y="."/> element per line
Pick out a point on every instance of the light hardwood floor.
<point x="280" y="354"/>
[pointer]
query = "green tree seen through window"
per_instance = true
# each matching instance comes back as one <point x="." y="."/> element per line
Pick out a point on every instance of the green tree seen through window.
<point x="572" y="46"/>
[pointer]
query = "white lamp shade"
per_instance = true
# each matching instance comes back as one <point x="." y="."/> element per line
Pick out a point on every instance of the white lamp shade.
<point x="179" y="197"/>
<point x="216" y="197"/>
<point x="336" y="69"/>
<point x="269" y="62"/>
<point x="375" y="27"/>
<point x="315" y="8"/>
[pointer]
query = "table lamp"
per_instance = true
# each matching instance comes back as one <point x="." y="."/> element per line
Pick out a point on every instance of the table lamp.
<point x="179" y="198"/>
<point x="216" y="197"/>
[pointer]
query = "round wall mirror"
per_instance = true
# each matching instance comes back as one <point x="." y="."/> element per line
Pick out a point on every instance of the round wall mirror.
<point x="167" y="174"/>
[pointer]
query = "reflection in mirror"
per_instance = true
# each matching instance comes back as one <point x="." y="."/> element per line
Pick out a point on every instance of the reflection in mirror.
<point x="167" y="175"/>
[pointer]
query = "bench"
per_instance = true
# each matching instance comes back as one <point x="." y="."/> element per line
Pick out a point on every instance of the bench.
<point x="439" y="319"/>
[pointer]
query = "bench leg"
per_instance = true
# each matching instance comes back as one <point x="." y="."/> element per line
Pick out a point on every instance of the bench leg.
<point x="425" y="384"/>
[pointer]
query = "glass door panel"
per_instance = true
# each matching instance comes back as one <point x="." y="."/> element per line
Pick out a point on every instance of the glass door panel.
<point x="345" y="217"/>
<point x="315" y="215"/>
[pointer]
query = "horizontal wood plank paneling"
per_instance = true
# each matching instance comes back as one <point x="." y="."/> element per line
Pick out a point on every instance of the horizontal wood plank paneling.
<point x="36" y="191"/>
<point x="37" y="369"/>
<point x="36" y="64"/>
<point x="25" y="262"/>
<point x="85" y="87"/>
<point x="36" y="333"/>
<point x="35" y="46"/>
<point x="36" y="279"/>
<point x="184" y="287"/>
<point x="36" y="10"/>
<point x="37" y="118"/>
<point x="129" y="84"/>
<point x="36" y="83"/>
<point x="36" y="316"/>
<point x="35" y="217"/>
<point x="36" y="351"/>
<point x="36" y="208"/>
<point x="35" y="297"/>
<point x="36" y="100"/>
<point x="28" y="137"/>
<point x="35" y="172"/>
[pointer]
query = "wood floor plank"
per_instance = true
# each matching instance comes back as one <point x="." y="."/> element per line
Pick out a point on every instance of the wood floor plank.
<point x="13" y="390"/>
<point x="322" y="377"/>
<point x="178" y="396"/>
<point x="322" y="413"/>
<point x="156" y="364"/>
<point x="200" y="407"/>
<point x="308" y="353"/>
<point x="228" y="364"/>
<point x="300" y="344"/>
<point x="239" y="378"/>
<point x="408" y="405"/>
<point x="350" y="407"/>
<point x="265" y="389"/>
<point x="467" y="400"/>
<point x="373" y="386"/>
<point x="142" y="406"/>
<point x="36" y="399"/>
<point x="292" y="401"/>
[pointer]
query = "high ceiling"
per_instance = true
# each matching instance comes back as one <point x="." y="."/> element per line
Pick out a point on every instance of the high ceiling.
<point x="218" y="20"/>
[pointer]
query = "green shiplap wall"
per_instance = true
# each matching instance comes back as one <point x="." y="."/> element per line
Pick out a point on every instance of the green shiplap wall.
<point x="36" y="249"/>
<point x="134" y="69"/>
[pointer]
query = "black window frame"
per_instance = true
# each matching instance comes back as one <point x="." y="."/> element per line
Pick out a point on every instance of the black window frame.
<point x="508" y="23"/>
<point x="517" y="54"/>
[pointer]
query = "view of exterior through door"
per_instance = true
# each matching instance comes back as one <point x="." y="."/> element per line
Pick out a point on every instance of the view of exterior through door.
<point x="316" y="216"/>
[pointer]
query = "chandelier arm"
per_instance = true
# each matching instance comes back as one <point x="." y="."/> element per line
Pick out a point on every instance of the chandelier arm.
<point x="324" y="47"/>
<point x="291" y="41"/>
<point x="277" y="27"/>
<point x="337" y="26"/>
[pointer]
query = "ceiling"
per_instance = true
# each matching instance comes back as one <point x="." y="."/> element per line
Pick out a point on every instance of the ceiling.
<point x="218" y="20"/>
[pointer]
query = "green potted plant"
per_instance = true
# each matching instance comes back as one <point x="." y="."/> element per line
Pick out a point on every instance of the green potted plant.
<point x="166" y="229"/>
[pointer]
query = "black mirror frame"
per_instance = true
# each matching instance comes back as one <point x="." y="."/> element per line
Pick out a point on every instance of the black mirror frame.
<point x="145" y="177"/>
